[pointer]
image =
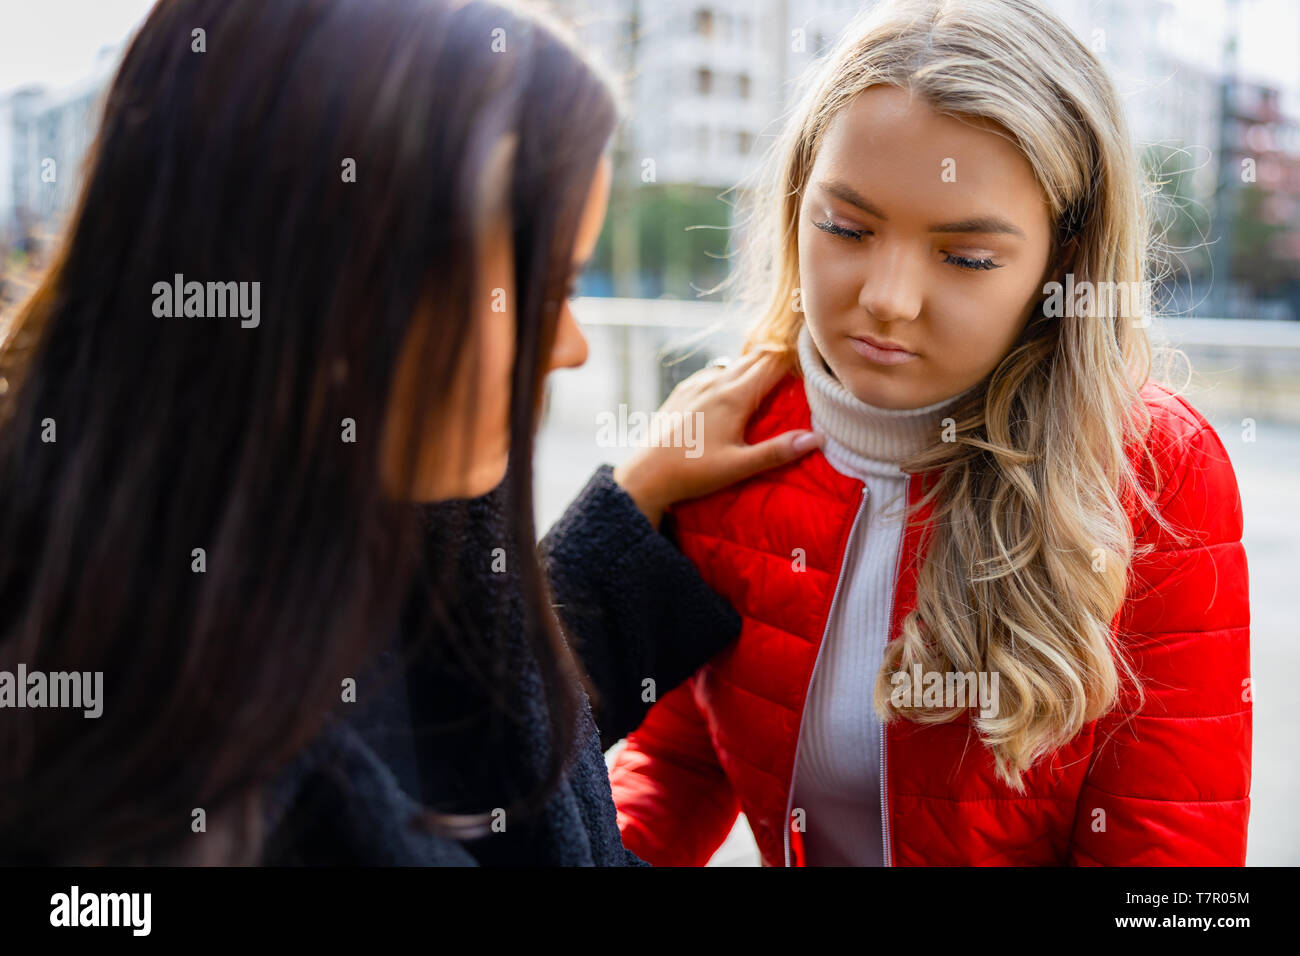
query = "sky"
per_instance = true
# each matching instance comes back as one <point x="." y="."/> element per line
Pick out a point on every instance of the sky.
<point x="55" y="42"/>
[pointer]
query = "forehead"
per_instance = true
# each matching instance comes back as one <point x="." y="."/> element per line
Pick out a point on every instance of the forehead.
<point x="895" y="148"/>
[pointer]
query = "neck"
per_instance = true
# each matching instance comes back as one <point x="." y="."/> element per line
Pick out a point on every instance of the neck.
<point x="882" y="436"/>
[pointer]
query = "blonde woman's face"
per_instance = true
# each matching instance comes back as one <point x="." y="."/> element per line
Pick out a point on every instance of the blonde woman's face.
<point x="921" y="232"/>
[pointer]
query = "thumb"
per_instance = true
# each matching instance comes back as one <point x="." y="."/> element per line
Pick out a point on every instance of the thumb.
<point x="776" y="451"/>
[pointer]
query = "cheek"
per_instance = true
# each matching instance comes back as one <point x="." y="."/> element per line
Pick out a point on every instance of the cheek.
<point x="495" y="385"/>
<point x="830" y="280"/>
<point x="976" y="323"/>
<point x="497" y="324"/>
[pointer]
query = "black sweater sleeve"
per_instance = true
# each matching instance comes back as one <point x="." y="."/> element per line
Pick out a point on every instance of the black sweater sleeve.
<point x="633" y="607"/>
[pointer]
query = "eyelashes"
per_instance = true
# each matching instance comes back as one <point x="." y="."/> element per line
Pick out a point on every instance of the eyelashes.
<point x="976" y="264"/>
<point x="835" y="229"/>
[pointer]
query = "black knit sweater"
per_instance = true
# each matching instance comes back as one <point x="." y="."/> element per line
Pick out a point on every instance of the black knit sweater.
<point x="422" y="734"/>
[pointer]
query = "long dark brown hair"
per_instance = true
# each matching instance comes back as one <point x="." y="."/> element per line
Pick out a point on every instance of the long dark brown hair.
<point x="173" y="434"/>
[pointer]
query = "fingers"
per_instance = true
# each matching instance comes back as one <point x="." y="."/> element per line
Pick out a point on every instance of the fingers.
<point x="784" y="448"/>
<point x="732" y="375"/>
<point x="762" y="374"/>
<point x="740" y="366"/>
<point x="735" y="370"/>
<point x="756" y="356"/>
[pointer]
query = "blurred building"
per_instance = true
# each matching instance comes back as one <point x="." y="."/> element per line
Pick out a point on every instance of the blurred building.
<point x="704" y="80"/>
<point x="707" y="83"/>
<point x="45" y="135"/>
<point x="15" y="177"/>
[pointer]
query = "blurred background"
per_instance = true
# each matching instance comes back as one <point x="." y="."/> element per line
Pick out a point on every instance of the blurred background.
<point x="1212" y="92"/>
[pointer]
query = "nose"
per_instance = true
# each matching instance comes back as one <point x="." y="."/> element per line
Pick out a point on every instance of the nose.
<point x="892" y="286"/>
<point x="570" y="349"/>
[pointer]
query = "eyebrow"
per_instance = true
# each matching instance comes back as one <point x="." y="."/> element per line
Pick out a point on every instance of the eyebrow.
<point x="980" y="224"/>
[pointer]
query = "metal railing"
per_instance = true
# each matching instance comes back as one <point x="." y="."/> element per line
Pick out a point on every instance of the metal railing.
<point x="1246" y="367"/>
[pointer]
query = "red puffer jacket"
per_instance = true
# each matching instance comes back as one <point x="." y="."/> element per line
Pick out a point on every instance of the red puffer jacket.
<point x="1168" y="785"/>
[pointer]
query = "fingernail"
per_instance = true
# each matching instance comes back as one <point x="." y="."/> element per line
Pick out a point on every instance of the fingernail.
<point x="806" y="442"/>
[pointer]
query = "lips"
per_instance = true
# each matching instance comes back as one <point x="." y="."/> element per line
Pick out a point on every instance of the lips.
<point x="880" y="352"/>
<point x="883" y="344"/>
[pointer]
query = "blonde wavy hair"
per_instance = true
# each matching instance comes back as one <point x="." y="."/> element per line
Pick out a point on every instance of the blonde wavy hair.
<point x="1031" y="543"/>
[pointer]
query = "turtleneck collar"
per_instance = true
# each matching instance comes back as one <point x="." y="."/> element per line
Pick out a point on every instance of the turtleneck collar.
<point x="866" y="437"/>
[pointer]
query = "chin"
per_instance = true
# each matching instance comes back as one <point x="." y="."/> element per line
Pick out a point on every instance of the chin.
<point x="485" y="478"/>
<point x="890" y="401"/>
<point x="474" y="482"/>
<point x="875" y="387"/>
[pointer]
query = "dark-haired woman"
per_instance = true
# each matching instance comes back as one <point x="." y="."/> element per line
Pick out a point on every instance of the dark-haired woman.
<point x="295" y="534"/>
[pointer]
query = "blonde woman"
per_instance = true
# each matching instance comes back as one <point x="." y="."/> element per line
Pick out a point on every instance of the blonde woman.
<point x="938" y="247"/>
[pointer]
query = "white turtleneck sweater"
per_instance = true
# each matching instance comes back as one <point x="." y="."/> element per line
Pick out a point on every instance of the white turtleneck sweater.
<point x="837" y="773"/>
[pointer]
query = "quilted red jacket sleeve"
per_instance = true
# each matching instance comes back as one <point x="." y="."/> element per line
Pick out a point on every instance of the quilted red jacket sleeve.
<point x="1170" y="785"/>
<point x="675" y="805"/>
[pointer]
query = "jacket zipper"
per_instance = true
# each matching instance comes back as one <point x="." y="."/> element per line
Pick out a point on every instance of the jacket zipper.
<point x="884" y="749"/>
<point x="835" y="598"/>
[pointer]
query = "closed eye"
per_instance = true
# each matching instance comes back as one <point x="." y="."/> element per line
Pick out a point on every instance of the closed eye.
<point x="965" y="263"/>
<point x="837" y="230"/>
<point x="975" y="265"/>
